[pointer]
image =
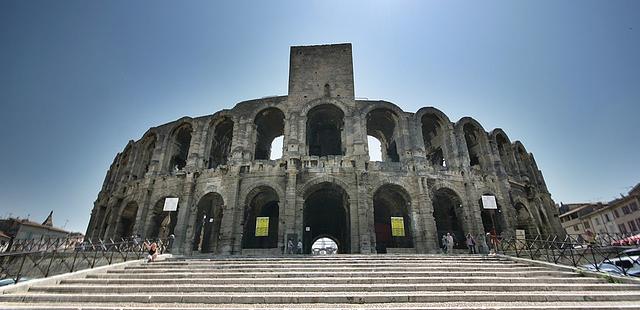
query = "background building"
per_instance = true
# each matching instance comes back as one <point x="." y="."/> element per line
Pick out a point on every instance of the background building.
<point x="235" y="199"/>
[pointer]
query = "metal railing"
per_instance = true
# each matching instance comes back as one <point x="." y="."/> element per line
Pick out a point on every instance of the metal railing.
<point x="603" y="254"/>
<point x="30" y="259"/>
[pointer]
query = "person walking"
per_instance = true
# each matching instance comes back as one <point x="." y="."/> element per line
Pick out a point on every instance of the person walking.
<point x="471" y="244"/>
<point x="449" y="243"/>
<point x="290" y="247"/>
<point x="299" y="247"/>
<point x="444" y="244"/>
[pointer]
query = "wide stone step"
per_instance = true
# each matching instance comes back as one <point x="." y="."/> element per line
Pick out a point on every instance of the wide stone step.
<point x="337" y="265"/>
<point x="284" y="274"/>
<point x="253" y="288"/>
<point x="338" y="259"/>
<point x="574" y="305"/>
<point x="330" y="297"/>
<point x="334" y="280"/>
<point x="469" y="269"/>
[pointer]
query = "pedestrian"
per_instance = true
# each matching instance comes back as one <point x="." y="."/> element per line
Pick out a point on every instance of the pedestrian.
<point x="153" y="251"/>
<point x="471" y="244"/>
<point x="487" y="239"/>
<point x="299" y="247"/>
<point x="444" y="244"/>
<point x="290" y="247"/>
<point x="449" y="243"/>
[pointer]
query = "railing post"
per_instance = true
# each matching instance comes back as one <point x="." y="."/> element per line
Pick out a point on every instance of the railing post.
<point x="75" y="256"/>
<point x="19" y="275"/>
<point x="53" y="256"/>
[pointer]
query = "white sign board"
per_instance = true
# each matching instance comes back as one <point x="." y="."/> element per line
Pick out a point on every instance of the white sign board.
<point x="170" y="204"/>
<point x="489" y="202"/>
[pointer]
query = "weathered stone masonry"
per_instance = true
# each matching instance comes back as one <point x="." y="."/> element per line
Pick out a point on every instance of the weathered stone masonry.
<point x="432" y="175"/>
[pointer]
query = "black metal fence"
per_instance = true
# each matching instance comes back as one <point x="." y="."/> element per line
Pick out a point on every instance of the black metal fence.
<point x="30" y="259"/>
<point x="605" y="254"/>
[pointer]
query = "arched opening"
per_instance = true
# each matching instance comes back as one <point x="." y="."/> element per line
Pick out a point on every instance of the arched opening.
<point x="504" y="150"/>
<point x="447" y="209"/>
<point x="261" y="219"/>
<point x="276" y="148"/>
<point x="524" y="163"/>
<point x="179" y="146"/>
<point x="324" y="130"/>
<point x="525" y="221"/>
<point x="145" y="155"/>
<point x="472" y="137"/>
<point x="269" y="125"/>
<point x="163" y="223"/>
<point x="123" y="164"/>
<point x="381" y="124"/>
<point x="326" y="214"/>
<point x="207" y="223"/>
<point x="221" y="139"/>
<point x="105" y="225"/>
<point x="375" y="148"/>
<point x="324" y="246"/>
<point x="391" y="218"/>
<point x="491" y="218"/>
<point x="127" y="220"/>
<point x="433" y="138"/>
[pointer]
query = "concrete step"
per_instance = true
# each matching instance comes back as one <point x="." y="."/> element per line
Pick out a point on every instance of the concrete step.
<point x="577" y="305"/>
<point x="469" y="269"/>
<point x="328" y="297"/>
<point x="333" y="280"/>
<point x="331" y="287"/>
<point x="162" y="264"/>
<point x="342" y="274"/>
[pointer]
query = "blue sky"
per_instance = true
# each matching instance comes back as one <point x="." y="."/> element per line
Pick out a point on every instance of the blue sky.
<point x="78" y="79"/>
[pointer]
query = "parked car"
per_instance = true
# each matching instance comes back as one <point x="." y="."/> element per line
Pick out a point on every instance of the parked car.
<point x="626" y="262"/>
<point x="10" y="281"/>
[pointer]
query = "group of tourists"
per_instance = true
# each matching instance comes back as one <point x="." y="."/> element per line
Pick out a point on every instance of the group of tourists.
<point x="294" y="249"/>
<point x="448" y="242"/>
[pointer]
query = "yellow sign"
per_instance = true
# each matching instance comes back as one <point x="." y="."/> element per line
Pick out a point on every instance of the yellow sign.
<point x="397" y="226"/>
<point x="262" y="226"/>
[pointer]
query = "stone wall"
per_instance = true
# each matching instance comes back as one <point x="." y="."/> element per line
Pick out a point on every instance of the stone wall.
<point x="432" y="175"/>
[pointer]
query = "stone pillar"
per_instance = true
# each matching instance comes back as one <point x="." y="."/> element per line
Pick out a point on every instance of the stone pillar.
<point x="289" y="219"/>
<point x="186" y="207"/>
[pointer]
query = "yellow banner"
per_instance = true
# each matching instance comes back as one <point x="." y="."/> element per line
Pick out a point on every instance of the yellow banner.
<point x="397" y="226"/>
<point x="262" y="226"/>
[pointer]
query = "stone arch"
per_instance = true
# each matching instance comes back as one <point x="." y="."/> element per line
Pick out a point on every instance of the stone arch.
<point x="505" y="151"/>
<point x="492" y="218"/>
<point x="448" y="214"/>
<point x="261" y="201"/>
<point x="383" y="124"/>
<point x="476" y="142"/>
<point x="219" y="140"/>
<point x="523" y="161"/>
<point x="208" y="221"/>
<point x="124" y="163"/>
<point x="178" y="146"/>
<point x="269" y="124"/>
<point x="391" y="200"/>
<point x="326" y="211"/>
<point x="102" y="234"/>
<point x="368" y="106"/>
<point x="162" y="224"/>
<point x="322" y="101"/>
<point x="435" y="131"/>
<point x="325" y="130"/>
<point x="146" y="149"/>
<point x="127" y="220"/>
<point x="525" y="220"/>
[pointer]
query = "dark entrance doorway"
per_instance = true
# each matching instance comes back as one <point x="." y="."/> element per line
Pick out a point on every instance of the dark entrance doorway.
<point x="207" y="223"/>
<point x="326" y="214"/>
<point x="447" y="209"/>
<point x="391" y="201"/>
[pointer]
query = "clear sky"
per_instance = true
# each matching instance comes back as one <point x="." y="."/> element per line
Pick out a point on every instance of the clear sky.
<point x="78" y="79"/>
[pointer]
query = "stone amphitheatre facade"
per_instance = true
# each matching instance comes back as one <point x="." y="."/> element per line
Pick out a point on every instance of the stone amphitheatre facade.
<point x="432" y="174"/>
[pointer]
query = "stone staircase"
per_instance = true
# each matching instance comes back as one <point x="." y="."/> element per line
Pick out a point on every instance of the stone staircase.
<point x="330" y="282"/>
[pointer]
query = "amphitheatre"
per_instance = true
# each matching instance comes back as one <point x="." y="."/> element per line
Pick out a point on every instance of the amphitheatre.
<point x="429" y="182"/>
